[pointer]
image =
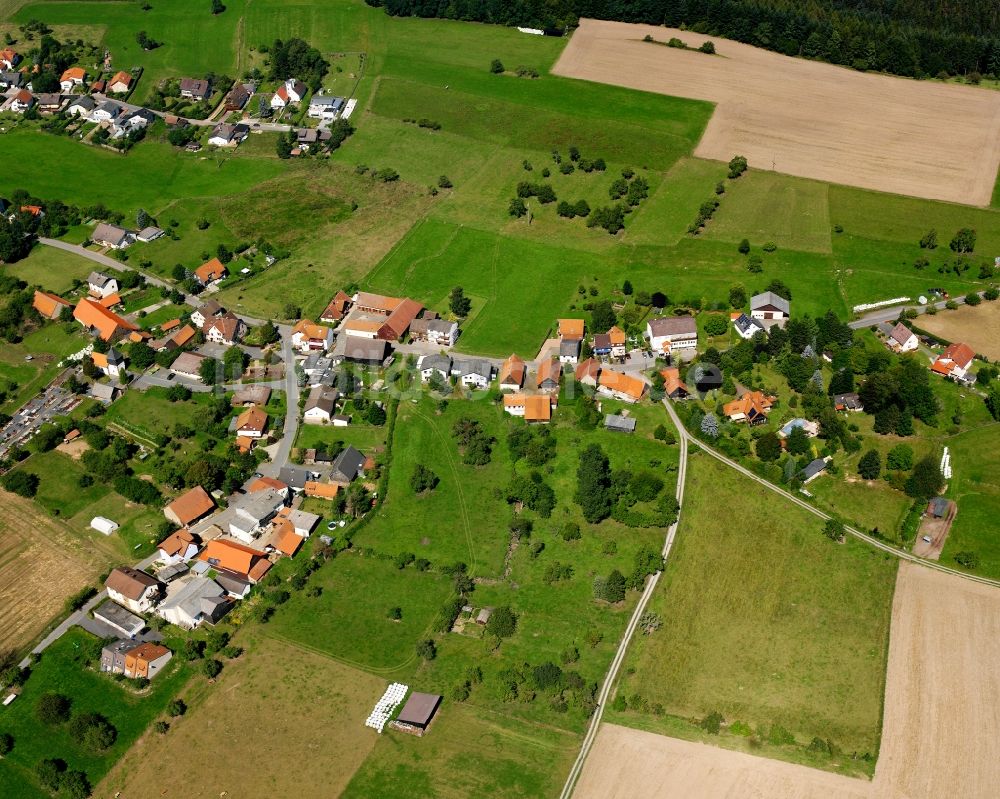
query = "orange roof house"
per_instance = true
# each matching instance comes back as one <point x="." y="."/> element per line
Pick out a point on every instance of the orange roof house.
<point x="376" y="303"/>
<point x="74" y="74"/>
<point x="549" y="375"/>
<point x="400" y="319"/>
<point x="233" y="557"/>
<point x="210" y="271"/>
<point x="751" y="408"/>
<point x="244" y="444"/>
<point x="673" y="386"/>
<point x="9" y="57"/>
<point x="170" y="324"/>
<point x="532" y="407"/>
<point x="321" y="490"/>
<point x="287" y="541"/>
<point x="571" y="329"/>
<point x="111" y="300"/>
<point x="146" y="660"/>
<point x="177" y="543"/>
<point x="621" y="386"/>
<point x="264" y="483"/>
<point x="182" y="336"/>
<point x="120" y="82"/>
<point x="954" y="361"/>
<point x="587" y="371"/>
<point x="617" y="336"/>
<point x="97" y="319"/>
<point x="251" y="423"/>
<point x="512" y="372"/>
<point x="49" y="305"/>
<point x="189" y="506"/>
<point x="337" y="309"/>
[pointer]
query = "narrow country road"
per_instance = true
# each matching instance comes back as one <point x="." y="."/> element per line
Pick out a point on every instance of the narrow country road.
<point x="633" y="624"/>
<point x="280" y="458"/>
<point x="891" y="314"/>
<point x="103" y="260"/>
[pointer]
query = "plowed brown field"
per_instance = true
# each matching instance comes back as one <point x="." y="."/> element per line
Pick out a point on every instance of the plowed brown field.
<point x="806" y="118"/>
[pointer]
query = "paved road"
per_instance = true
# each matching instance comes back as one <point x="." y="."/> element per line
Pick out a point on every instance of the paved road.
<point x="892" y="314"/>
<point x="253" y="122"/>
<point x="640" y="608"/>
<point x="291" y="386"/>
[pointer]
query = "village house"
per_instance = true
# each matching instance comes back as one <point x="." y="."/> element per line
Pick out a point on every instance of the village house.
<point x="193" y="601"/>
<point x="253" y="511"/>
<point x="210" y="272"/>
<point x="347" y="466"/>
<point x="251" y="394"/>
<point x="752" y="408"/>
<point x="49" y="306"/>
<point x="133" y="589"/>
<point x="188" y="364"/>
<point x="104" y="392"/>
<point x="302" y="523"/>
<point x="251" y="423"/>
<point x="769" y="306"/>
<point x="746" y="326"/>
<point x="112" y="363"/>
<point x="117" y="238"/>
<point x="362" y="328"/>
<point x="99" y="321"/>
<point x="49" y="102"/>
<point x="548" y="376"/>
<point x="570" y="329"/>
<point x="290" y="92"/>
<point x="113" y="655"/>
<point x="370" y="353"/>
<point x="325" y="107"/>
<point x="10" y="79"/>
<point x="195" y="88"/>
<point x="320" y="405"/>
<point x="9" y="58"/>
<point x="306" y="137"/>
<point x="813" y="470"/>
<point x="673" y="386"/>
<point x="954" y="362"/>
<point x="226" y="135"/>
<point x="21" y="101"/>
<point x="207" y="311"/>
<point x="671" y="333"/>
<point x="226" y="329"/>
<point x="101" y="285"/>
<point x="189" y="507"/>
<point x="569" y="351"/>
<point x="83" y="105"/>
<point x="620" y="386"/>
<point x="233" y="557"/>
<point x="850" y="402"/>
<point x="108" y="111"/>
<point x="512" y="373"/>
<point x="178" y="547"/>
<point x="435" y="364"/>
<point x="71" y="79"/>
<point x="588" y="371"/>
<point x="264" y="483"/>
<point x="237" y="97"/>
<point x="318" y="490"/>
<point x="533" y="408"/>
<point x="473" y="372"/>
<point x="120" y="83"/>
<point x="146" y="660"/>
<point x="900" y="338"/>
<point x="309" y="337"/>
<point x="337" y="309"/>
<point x="439" y="332"/>
<point x="149" y="233"/>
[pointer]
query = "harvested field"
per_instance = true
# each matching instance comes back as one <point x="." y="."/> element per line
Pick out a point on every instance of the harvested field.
<point x="941" y="727"/>
<point x="807" y="118"/>
<point x="33" y="548"/>
<point x="297" y="719"/>
<point x="978" y="326"/>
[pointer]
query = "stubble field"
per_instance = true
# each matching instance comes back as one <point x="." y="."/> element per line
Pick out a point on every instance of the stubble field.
<point x="806" y="118"/>
<point x="979" y="327"/>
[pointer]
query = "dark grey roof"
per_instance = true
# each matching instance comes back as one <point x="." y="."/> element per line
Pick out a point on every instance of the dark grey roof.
<point x="322" y="398"/>
<point x="939" y="506"/>
<point x="111" y="107"/>
<point x="10" y="78"/>
<point x="623" y="424"/>
<point x="569" y="347"/>
<point x="440" y="362"/>
<point x="169" y="573"/>
<point x="327" y="100"/>
<point x="363" y="349"/>
<point x="743" y="323"/>
<point x="814" y="468"/>
<point x="673" y="326"/>
<point x="117" y="616"/>
<point x="347" y="465"/>
<point x="473" y="366"/>
<point x="419" y="709"/>
<point x="99" y="279"/>
<point x="293" y="477"/>
<point x="769" y="298"/>
<point x="849" y="400"/>
<point x="234" y="584"/>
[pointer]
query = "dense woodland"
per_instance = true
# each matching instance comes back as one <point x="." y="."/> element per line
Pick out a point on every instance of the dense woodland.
<point x="916" y="38"/>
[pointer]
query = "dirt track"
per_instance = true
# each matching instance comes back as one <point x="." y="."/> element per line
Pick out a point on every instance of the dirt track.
<point x="807" y="118"/>
<point x="941" y="732"/>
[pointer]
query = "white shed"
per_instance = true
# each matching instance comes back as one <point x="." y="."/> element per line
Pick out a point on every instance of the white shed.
<point x="103" y="525"/>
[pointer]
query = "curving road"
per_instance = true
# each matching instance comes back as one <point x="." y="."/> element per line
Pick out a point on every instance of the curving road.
<point x="633" y="624"/>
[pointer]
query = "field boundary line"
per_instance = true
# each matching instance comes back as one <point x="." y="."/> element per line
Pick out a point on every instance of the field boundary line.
<point x="385" y="259"/>
<point x="378" y="671"/>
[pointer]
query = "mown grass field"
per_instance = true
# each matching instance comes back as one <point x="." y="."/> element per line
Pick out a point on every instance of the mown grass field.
<point x="767" y="622"/>
<point x="52" y="269"/>
<point x="63" y="670"/>
<point x="975" y="489"/>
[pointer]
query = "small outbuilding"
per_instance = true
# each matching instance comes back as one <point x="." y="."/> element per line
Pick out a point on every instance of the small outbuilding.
<point x="419" y="710"/>
<point x="103" y="525"/>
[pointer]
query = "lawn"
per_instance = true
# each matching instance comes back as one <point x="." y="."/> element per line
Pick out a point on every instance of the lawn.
<point x="52" y="269"/>
<point x="349" y="620"/>
<point x="59" y="489"/>
<point x="63" y="669"/>
<point x="362" y="436"/>
<point x="767" y="622"/>
<point x="974" y="488"/>
<point x="47" y="345"/>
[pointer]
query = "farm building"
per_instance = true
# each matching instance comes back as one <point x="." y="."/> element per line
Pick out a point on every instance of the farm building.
<point x="419" y="711"/>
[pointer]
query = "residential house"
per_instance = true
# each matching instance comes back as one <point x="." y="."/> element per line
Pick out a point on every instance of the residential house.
<point x="619" y="424"/>
<point x="512" y="373"/>
<point x="120" y="83"/>
<point x="320" y="405"/>
<point x="431" y="364"/>
<point x="337" y="309"/>
<point x="285" y="540"/>
<point x="117" y="618"/>
<point x="473" y="372"/>
<point x="139" y="118"/>
<point x="306" y="137"/>
<point x="618" y="342"/>
<point x="670" y="333"/>
<point x="235" y="586"/>
<point x="769" y="306"/>
<point x="108" y="111"/>
<point x="569" y="351"/>
<point x="227" y="329"/>
<point x="71" y="78"/>
<point x="112" y="363"/>
<point x="49" y="102"/>
<point x="548" y="376"/>
<point x="534" y="408"/>
<point x="206" y="312"/>
<point x="195" y="88"/>
<point x="253" y="511"/>
<point x="325" y="107"/>
<point x="189" y="507"/>
<point x="172" y="572"/>
<point x="175" y="340"/>
<point x="954" y="362"/>
<point x="751" y="408"/>
<point x="289" y="93"/>
<point x="104" y="392"/>
<point x="147" y="660"/>
<point x="571" y="329"/>
<point x="746" y="326"/>
<point x="101" y="322"/>
<point x="588" y="371"/>
<point x="10" y="79"/>
<point x="220" y="553"/>
<point x="49" y="306"/>
<point x="340" y="420"/>
<point x="673" y="386"/>
<point x="210" y="272"/>
<point x="21" y="101"/>
<point x="188" y="364"/>
<point x="238" y="96"/>
<point x="902" y="339"/>
<point x="193" y="601"/>
<point x="133" y="589"/>
<point x="372" y="353"/>
<point x="9" y="58"/>
<point x="179" y="546"/>
<point x="265" y="483"/>
<point x="226" y="135"/>
<point x="113" y="655"/>
<point x="295" y="478"/>
<point x="602" y="344"/>
<point x="117" y="238"/>
<point x="440" y="332"/>
<point x="81" y="106"/>
<point x="318" y="490"/>
<point x="251" y="394"/>
<point x="347" y="465"/>
<point x="309" y="337"/>
<point x="251" y="423"/>
<point x="813" y="470"/>
<point x="848" y="402"/>
<point x="302" y="523"/>
<point x="620" y="386"/>
<point x="101" y="285"/>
